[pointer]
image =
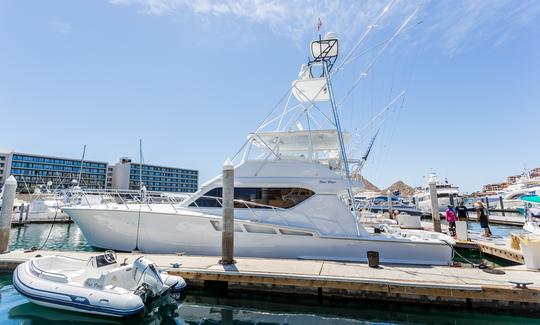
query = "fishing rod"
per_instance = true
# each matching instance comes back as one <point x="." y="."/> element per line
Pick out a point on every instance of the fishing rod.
<point x="365" y="72"/>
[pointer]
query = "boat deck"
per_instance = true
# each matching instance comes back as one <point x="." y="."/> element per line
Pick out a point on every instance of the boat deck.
<point x="462" y="286"/>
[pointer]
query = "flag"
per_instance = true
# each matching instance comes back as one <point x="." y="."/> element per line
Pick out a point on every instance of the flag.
<point x="319" y="24"/>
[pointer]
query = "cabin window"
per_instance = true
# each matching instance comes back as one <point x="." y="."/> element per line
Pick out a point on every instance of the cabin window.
<point x="257" y="198"/>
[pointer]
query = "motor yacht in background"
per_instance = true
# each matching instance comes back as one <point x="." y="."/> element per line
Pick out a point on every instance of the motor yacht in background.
<point x="447" y="194"/>
<point x="378" y="203"/>
<point x="46" y="206"/>
<point x="511" y="196"/>
<point x="293" y="194"/>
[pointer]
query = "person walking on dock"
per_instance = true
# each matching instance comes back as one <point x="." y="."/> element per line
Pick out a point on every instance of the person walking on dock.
<point x="462" y="213"/>
<point x="451" y="219"/>
<point x="482" y="217"/>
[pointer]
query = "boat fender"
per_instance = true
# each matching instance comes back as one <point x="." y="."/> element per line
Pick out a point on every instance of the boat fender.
<point x="175" y="283"/>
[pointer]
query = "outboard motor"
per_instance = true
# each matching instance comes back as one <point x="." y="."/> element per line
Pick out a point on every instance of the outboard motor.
<point x="148" y="278"/>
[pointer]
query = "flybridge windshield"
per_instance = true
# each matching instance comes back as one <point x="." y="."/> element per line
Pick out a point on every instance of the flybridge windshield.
<point x="257" y="197"/>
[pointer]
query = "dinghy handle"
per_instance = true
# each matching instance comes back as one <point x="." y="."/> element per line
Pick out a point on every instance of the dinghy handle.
<point x="57" y="277"/>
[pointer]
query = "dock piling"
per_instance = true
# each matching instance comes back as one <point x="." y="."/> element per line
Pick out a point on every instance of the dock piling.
<point x="21" y="213"/>
<point x="434" y="204"/>
<point x="27" y="212"/>
<point x="389" y="200"/>
<point x="10" y="187"/>
<point x="502" y="205"/>
<point x="227" y="232"/>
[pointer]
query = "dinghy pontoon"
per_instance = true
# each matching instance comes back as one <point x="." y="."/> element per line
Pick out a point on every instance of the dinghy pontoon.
<point x="98" y="285"/>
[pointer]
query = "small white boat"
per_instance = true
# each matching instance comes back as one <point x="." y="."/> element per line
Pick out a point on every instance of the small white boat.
<point x="98" y="285"/>
<point x="531" y="210"/>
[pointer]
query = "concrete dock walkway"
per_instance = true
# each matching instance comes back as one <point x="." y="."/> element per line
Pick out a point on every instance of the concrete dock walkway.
<point x="466" y="287"/>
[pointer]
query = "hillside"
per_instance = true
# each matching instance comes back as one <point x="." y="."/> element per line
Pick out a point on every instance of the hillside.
<point x="400" y="186"/>
<point x="370" y="186"/>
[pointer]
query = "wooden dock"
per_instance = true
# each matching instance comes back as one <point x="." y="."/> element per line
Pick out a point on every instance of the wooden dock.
<point x="496" y="249"/>
<point x="334" y="281"/>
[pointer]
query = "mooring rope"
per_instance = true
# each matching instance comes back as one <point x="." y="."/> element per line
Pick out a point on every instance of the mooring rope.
<point x="34" y="248"/>
<point x="479" y="265"/>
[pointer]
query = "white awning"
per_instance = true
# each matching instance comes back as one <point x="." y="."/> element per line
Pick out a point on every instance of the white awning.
<point x="298" y="141"/>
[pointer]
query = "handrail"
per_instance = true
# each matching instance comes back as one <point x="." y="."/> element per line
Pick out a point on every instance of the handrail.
<point x="41" y="272"/>
<point x="129" y="199"/>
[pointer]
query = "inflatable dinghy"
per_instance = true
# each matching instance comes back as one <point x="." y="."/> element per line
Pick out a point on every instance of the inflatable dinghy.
<point x="98" y="285"/>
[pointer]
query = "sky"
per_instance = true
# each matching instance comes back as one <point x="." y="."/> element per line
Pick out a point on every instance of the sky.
<point x="192" y="79"/>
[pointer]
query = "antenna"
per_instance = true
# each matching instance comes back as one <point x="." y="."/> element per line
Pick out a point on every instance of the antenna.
<point x="82" y="162"/>
<point x="140" y="165"/>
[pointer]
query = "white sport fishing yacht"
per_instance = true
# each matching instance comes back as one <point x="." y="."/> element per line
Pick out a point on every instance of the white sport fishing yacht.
<point x="293" y="195"/>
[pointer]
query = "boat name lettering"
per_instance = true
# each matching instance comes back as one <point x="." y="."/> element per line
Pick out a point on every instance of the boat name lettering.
<point x="327" y="182"/>
<point x="81" y="300"/>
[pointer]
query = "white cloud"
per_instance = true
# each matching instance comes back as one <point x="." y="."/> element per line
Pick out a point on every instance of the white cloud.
<point x="60" y="27"/>
<point x="461" y="23"/>
<point x="455" y="23"/>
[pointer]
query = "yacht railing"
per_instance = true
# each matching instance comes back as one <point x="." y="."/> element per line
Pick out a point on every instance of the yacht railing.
<point x="135" y="200"/>
<point x="126" y="198"/>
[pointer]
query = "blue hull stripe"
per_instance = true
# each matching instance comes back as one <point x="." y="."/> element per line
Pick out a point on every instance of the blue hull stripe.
<point x="105" y="310"/>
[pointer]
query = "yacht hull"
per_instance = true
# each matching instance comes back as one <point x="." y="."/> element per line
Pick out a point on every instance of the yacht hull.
<point x="199" y="234"/>
<point x="444" y="202"/>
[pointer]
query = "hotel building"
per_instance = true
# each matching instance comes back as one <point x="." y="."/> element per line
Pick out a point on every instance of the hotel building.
<point x="33" y="170"/>
<point x="4" y="156"/>
<point x="129" y="175"/>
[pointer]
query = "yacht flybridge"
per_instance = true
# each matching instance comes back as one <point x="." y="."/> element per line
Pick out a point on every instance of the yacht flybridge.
<point x="293" y="193"/>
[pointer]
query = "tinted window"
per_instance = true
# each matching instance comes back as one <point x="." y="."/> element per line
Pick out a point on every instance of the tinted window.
<point x="255" y="196"/>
